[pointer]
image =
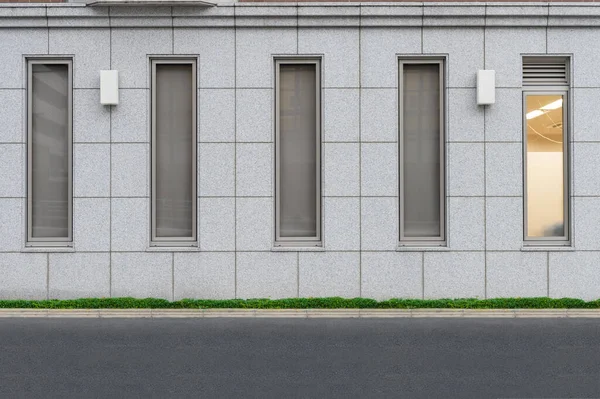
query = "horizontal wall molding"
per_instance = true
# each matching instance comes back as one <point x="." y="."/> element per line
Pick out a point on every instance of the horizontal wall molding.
<point x="305" y="15"/>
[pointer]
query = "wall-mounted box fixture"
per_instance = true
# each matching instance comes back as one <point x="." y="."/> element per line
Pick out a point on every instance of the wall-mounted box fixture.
<point x="486" y="87"/>
<point x="109" y="87"/>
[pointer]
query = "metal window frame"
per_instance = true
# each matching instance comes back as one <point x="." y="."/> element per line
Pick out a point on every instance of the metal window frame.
<point x="565" y="239"/>
<point x="156" y="241"/>
<point x="440" y="240"/>
<point x="49" y="241"/>
<point x="317" y="240"/>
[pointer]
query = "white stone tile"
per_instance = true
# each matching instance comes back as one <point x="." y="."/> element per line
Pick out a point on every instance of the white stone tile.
<point x="379" y="54"/>
<point x="217" y="54"/>
<point x="132" y="16"/>
<point x="130" y="170"/>
<point x="91" y="50"/>
<point x="503" y="49"/>
<point x="340" y="47"/>
<point x="254" y="168"/>
<point x="317" y="15"/>
<point x="267" y="275"/>
<point x="33" y="16"/>
<point x="584" y="118"/>
<point x="328" y="274"/>
<point x="142" y="275"/>
<point x="454" y="275"/>
<point x="379" y="115"/>
<point x="373" y="15"/>
<point x="12" y="181"/>
<point x="464" y="47"/>
<point x="465" y="117"/>
<point x="195" y="17"/>
<point x="12" y="114"/>
<point x="77" y="275"/>
<point x="130" y="119"/>
<point x="379" y="169"/>
<point x="91" y="170"/>
<point x="504" y="169"/>
<point x="129" y="53"/>
<point x="466" y="174"/>
<point x="504" y="119"/>
<point x="16" y="42"/>
<point x="340" y="114"/>
<point x="582" y="43"/>
<point x="12" y="224"/>
<point x="61" y="17"/>
<point x="216" y="169"/>
<point x="208" y="275"/>
<point x="517" y="274"/>
<point x="24" y="276"/>
<point x="254" y="115"/>
<point x="379" y="223"/>
<point x="130" y="224"/>
<point x="525" y="14"/>
<point x="217" y="115"/>
<point x="585" y="171"/>
<point x="341" y="169"/>
<point x="386" y="275"/>
<point x="574" y="275"/>
<point x="453" y="15"/>
<point x="91" y="224"/>
<point x="217" y="224"/>
<point x="91" y="120"/>
<point x="586" y="221"/>
<point x="255" y="48"/>
<point x="341" y="224"/>
<point x="254" y="224"/>
<point x="504" y="221"/>
<point x="274" y="15"/>
<point x="466" y="223"/>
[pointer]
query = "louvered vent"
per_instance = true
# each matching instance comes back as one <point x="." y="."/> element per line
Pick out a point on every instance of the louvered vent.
<point x="546" y="71"/>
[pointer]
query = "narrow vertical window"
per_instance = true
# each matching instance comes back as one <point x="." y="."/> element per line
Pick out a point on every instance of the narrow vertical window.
<point x="545" y="97"/>
<point x="49" y="152"/>
<point x="298" y="153"/>
<point x="173" y="152"/>
<point x="421" y="142"/>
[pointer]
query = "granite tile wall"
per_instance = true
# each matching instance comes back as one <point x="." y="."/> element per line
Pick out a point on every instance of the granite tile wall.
<point x="235" y="256"/>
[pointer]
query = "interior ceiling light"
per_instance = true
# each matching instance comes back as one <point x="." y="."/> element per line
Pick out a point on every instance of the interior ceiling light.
<point x="537" y="112"/>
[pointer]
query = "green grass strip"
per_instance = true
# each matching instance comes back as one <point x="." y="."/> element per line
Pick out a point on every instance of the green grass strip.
<point x="304" y="303"/>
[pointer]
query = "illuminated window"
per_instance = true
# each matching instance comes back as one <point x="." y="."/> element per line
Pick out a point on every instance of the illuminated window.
<point x="545" y="98"/>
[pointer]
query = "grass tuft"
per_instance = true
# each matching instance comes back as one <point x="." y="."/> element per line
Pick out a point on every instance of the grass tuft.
<point x="303" y="303"/>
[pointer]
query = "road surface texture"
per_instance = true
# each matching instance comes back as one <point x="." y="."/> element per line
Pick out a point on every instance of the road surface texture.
<point x="299" y="358"/>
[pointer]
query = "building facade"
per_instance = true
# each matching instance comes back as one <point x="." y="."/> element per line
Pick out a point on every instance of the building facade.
<point x="245" y="150"/>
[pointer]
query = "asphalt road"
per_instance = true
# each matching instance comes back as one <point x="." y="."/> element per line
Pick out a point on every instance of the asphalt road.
<point x="307" y="358"/>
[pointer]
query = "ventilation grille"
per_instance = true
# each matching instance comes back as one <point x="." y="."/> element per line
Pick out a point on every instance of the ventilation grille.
<point x="545" y="72"/>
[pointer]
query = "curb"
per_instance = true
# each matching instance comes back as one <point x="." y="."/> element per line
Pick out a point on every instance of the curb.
<point x="301" y="313"/>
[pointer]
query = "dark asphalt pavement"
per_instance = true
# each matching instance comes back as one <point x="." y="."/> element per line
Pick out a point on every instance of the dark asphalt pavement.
<point x="305" y="358"/>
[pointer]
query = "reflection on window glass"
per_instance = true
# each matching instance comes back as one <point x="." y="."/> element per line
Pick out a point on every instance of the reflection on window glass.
<point x="50" y="151"/>
<point x="174" y="197"/>
<point x="298" y="165"/>
<point x="421" y="154"/>
<point x="545" y="166"/>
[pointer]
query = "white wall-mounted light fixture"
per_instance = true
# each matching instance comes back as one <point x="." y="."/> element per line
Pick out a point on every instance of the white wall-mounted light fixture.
<point x="486" y="87"/>
<point x="109" y="87"/>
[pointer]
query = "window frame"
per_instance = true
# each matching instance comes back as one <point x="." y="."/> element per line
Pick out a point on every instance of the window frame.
<point x="156" y="241"/>
<point x="441" y="240"/>
<point x="316" y="241"/>
<point x="49" y="241"/>
<point x="565" y="239"/>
